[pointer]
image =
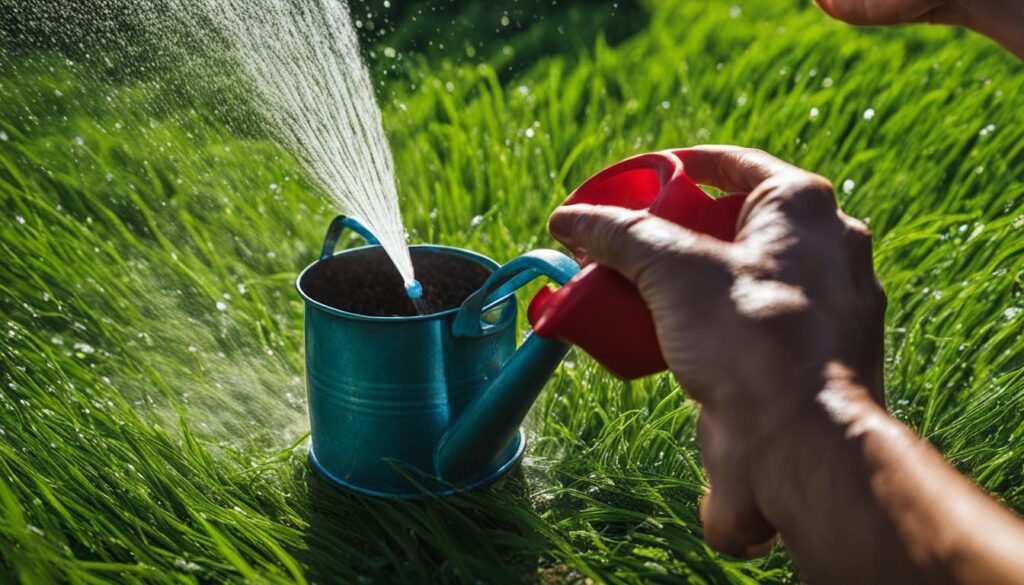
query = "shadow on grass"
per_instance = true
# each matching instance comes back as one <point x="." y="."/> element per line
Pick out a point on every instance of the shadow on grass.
<point x="492" y="531"/>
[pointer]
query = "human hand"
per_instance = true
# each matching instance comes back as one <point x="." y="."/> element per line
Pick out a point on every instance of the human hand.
<point x="875" y="12"/>
<point x="1000" y="20"/>
<point x="751" y="329"/>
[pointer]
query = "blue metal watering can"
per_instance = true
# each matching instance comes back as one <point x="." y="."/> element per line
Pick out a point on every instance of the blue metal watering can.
<point x="410" y="406"/>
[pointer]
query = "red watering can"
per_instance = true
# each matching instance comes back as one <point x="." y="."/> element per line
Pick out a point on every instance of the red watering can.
<point x="599" y="310"/>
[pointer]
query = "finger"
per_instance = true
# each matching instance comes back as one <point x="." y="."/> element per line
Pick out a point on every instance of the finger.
<point x="826" y="6"/>
<point x="733" y="524"/>
<point x="946" y="14"/>
<point x="760" y="550"/>
<point x="624" y="240"/>
<point x="732" y="168"/>
<point x="862" y="13"/>
<point x="857" y="240"/>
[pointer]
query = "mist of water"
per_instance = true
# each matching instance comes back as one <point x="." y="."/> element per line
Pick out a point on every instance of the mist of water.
<point x="310" y="84"/>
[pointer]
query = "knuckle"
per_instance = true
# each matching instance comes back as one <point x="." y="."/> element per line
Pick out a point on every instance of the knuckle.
<point x="620" y="227"/>
<point x="815" y="193"/>
<point x="855" y="226"/>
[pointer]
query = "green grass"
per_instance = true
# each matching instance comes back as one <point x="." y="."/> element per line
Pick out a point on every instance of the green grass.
<point x="148" y="435"/>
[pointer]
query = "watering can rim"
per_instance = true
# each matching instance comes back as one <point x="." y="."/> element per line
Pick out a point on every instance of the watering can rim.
<point x="491" y="264"/>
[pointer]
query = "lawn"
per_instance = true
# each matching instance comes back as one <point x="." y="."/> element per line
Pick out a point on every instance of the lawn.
<point x="152" y="407"/>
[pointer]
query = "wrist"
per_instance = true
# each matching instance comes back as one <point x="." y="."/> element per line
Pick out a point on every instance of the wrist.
<point x="828" y="428"/>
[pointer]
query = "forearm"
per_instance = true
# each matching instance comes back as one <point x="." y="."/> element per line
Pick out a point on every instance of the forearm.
<point x="859" y="498"/>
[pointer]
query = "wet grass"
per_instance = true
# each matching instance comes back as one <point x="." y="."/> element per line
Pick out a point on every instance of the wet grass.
<point x="152" y="401"/>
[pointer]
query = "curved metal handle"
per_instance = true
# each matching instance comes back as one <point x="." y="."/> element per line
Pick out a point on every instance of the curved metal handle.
<point x="338" y="224"/>
<point x="485" y="428"/>
<point x="507" y="280"/>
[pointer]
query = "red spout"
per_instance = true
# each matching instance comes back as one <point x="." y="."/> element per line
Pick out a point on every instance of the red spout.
<point x="599" y="310"/>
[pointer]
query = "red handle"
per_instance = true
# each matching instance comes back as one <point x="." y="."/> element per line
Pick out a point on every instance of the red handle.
<point x="599" y="309"/>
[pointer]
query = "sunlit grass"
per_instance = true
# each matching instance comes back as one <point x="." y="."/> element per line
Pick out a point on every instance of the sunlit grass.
<point x="152" y="397"/>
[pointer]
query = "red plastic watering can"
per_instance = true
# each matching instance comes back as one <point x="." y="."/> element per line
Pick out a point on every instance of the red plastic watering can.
<point x="599" y="310"/>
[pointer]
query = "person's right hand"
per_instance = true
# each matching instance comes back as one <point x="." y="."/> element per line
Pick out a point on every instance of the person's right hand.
<point x="752" y="328"/>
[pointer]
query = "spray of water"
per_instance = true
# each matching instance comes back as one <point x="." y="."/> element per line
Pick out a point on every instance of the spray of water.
<point x="303" y="62"/>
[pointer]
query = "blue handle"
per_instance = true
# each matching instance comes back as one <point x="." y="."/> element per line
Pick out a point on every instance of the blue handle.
<point x="334" y="230"/>
<point x="486" y="427"/>
<point x="507" y="280"/>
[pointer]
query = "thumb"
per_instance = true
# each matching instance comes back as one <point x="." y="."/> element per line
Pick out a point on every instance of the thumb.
<point x="625" y="240"/>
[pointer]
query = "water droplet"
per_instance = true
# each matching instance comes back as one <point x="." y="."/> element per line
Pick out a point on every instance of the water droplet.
<point x="1012" y="312"/>
<point x="504" y="20"/>
<point x="19" y="219"/>
<point x="735" y="12"/>
<point x="189" y="566"/>
<point x="848" y="186"/>
<point x="529" y="133"/>
<point x="84" y="347"/>
<point x="79" y="141"/>
<point x="815" y="112"/>
<point x="242" y="289"/>
<point x="222" y="306"/>
<point x="3" y="136"/>
<point x="869" y="113"/>
<point x="477" y="220"/>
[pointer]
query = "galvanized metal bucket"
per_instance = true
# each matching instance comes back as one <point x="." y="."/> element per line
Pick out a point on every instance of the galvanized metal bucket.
<point x="418" y="405"/>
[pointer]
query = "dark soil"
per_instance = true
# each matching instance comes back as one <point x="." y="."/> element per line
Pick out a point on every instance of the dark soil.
<point x="366" y="282"/>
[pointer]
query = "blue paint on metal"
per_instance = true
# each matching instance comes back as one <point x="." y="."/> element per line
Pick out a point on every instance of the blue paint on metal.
<point x="428" y="404"/>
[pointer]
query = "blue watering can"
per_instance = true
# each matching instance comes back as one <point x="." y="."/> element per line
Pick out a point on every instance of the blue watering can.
<point x="407" y="406"/>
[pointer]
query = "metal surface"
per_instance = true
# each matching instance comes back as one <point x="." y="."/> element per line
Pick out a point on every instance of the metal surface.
<point x="404" y="407"/>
